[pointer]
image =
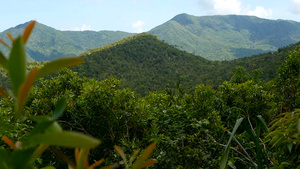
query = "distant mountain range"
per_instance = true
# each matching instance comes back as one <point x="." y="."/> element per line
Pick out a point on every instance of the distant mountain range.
<point x="47" y="43"/>
<point x="227" y="37"/>
<point x="212" y="37"/>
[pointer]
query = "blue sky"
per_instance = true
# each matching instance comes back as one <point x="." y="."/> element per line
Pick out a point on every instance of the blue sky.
<point x="133" y="15"/>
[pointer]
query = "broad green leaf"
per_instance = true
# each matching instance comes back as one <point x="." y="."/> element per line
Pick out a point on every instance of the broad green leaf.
<point x="26" y="86"/>
<point x="3" y="93"/>
<point x="39" y="118"/>
<point x="59" y="108"/>
<point x="27" y="31"/>
<point x="5" y="159"/>
<point x="40" y="127"/>
<point x="55" y="127"/>
<point x="49" y="167"/>
<point x="21" y="159"/>
<point x="3" y="61"/>
<point x="224" y="159"/>
<point x="58" y="64"/>
<point x="145" y="155"/>
<point x="64" y="139"/>
<point x="17" y="65"/>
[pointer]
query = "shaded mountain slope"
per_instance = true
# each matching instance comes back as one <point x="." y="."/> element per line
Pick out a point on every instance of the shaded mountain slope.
<point x="145" y="63"/>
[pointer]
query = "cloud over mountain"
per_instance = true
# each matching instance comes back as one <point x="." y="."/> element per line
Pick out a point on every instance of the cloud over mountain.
<point x="224" y="7"/>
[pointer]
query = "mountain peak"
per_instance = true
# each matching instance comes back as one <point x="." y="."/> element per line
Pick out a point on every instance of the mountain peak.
<point x="227" y="37"/>
<point x="23" y="25"/>
<point x="183" y="19"/>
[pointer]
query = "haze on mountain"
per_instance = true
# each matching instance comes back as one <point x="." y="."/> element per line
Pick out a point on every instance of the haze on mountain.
<point x="227" y="37"/>
<point x="223" y="37"/>
<point x="47" y="43"/>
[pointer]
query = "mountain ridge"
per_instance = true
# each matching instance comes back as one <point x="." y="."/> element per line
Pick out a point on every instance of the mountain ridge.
<point x="144" y="63"/>
<point x="216" y="37"/>
<point x="227" y="36"/>
<point x="47" y="43"/>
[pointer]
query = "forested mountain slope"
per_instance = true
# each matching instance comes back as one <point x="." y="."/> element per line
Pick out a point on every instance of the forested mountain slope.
<point x="47" y="43"/>
<point x="144" y="63"/>
<point x="227" y="37"/>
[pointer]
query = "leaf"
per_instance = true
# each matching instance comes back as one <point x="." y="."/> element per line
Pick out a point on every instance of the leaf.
<point x="5" y="158"/>
<point x="244" y="150"/>
<point x="40" y="127"/>
<point x="224" y="159"/>
<point x="96" y="164"/>
<point x="58" y="64"/>
<point x="262" y="121"/>
<point x="64" y="157"/>
<point x="49" y="167"/>
<point x="9" y="142"/>
<point x="26" y="86"/>
<point x="10" y="37"/>
<point x="290" y="147"/>
<point x="3" y="93"/>
<point x="3" y="43"/>
<point x="3" y="61"/>
<point x="17" y="65"/>
<point x="148" y="163"/>
<point x="121" y="153"/>
<point x="59" y="108"/>
<point x="64" y="139"/>
<point x="146" y="154"/>
<point x="27" y="31"/>
<point x="82" y="158"/>
<point x="21" y="159"/>
<point x="133" y="156"/>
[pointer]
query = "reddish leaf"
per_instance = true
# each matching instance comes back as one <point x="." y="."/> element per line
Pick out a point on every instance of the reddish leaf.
<point x="28" y="31"/>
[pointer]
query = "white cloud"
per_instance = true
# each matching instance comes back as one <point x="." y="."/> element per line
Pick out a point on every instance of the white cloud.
<point x="261" y="12"/>
<point x="221" y="7"/>
<point x="138" y="26"/>
<point x="224" y="7"/>
<point x="296" y="6"/>
<point x="84" y="27"/>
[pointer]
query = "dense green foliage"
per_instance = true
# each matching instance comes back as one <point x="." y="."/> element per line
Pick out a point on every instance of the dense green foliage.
<point x="227" y="37"/>
<point x="194" y="127"/>
<point x="47" y="43"/>
<point x="144" y="64"/>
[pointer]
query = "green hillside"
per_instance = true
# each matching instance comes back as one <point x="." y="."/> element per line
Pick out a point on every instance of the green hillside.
<point x="47" y="43"/>
<point x="144" y="63"/>
<point x="227" y="37"/>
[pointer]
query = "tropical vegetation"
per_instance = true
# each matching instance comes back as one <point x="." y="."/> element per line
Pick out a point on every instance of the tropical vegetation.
<point x="244" y="121"/>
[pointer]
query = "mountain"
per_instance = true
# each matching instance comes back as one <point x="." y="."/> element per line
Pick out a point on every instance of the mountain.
<point x="227" y="37"/>
<point x="46" y="43"/>
<point x="144" y="63"/>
